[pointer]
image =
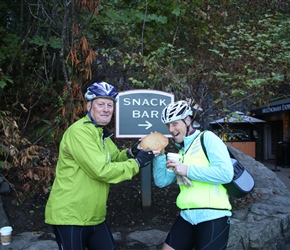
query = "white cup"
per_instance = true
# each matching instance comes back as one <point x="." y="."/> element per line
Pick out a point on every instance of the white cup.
<point x="6" y="233"/>
<point x="173" y="156"/>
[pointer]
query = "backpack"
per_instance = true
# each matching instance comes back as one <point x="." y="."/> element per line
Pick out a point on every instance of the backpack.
<point x="242" y="182"/>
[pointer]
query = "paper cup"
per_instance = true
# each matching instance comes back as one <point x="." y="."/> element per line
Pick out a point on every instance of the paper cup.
<point x="173" y="156"/>
<point x="6" y="233"/>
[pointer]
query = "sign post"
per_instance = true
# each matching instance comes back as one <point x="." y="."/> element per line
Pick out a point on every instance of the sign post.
<point x="138" y="113"/>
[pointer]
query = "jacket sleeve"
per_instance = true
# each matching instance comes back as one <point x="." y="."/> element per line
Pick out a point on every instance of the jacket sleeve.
<point x="116" y="154"/>
<point x="101" y="160"/>
<point x="161" y="176"/>
<point x="221" y="168"/>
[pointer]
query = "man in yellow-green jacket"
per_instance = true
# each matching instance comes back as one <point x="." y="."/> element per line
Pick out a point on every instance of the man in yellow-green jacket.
<point x="88" y="163"/>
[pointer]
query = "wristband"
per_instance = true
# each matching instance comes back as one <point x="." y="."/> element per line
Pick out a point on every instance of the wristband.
<point x="129" y="154"/>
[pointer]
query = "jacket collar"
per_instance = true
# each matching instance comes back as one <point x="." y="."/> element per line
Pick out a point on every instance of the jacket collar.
<point x="105" y="131"/>
<point x="187" y="140"/>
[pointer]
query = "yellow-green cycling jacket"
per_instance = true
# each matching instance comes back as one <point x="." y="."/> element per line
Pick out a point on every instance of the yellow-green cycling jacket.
<point x="88" y="163"/>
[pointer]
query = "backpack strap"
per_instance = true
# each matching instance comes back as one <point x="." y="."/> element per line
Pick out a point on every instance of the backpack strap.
<point x="202" y="144"/>
<point x="204" y="149"/>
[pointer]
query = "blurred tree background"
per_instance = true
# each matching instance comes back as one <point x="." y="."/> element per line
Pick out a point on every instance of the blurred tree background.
<point x="222" y="55"/>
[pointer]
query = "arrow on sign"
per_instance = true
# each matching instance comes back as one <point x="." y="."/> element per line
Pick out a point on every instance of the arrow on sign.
<point x="147" y="125"/>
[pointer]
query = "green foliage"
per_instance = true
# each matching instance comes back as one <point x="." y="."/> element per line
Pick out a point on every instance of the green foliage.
<point x="253" y="57"/>
<point x="60" y="102"/>
<point x="4" y="80"/>
<point x="39" y="41"/>
<point x="41" y="130"/>
<point x="8" y="46"/>
<point x="2" y="165"/>
<point x="154" y="69"/>
<point x="212" y="52"/>
<point x="223" y="55"/>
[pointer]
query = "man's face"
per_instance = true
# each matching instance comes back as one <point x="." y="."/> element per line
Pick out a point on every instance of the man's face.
<point x="101" y="110"/>
<point x="178" y="129"/>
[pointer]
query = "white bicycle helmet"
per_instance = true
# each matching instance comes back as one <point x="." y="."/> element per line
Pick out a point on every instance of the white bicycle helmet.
<point x="176" y="111"/>
<point x="101" y="89"/>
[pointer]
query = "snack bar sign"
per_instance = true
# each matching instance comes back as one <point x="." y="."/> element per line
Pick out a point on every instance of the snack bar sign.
<point x="138" y="113"/>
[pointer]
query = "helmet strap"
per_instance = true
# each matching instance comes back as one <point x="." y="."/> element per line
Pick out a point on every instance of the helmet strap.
<point x="187" y="127"/>
<point x="188" y="132"/>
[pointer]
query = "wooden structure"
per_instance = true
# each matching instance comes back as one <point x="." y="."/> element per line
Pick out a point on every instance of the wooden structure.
<point x="247" y="147"/>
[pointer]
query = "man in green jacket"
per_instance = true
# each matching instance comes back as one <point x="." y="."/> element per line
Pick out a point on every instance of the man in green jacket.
<point x="88" y="163"/>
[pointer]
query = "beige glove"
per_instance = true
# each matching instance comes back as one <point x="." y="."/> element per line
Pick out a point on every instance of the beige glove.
<point x="183" y="180"/>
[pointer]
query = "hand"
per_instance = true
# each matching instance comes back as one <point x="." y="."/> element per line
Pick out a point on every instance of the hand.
<point x="134" y="150"/>
<point x="144" y="157"/>
<point x="159" y="153"/>
<point x="178" y="167"/>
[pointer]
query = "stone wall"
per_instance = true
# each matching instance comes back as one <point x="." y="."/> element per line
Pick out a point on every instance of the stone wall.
<point x="261" y="219"/>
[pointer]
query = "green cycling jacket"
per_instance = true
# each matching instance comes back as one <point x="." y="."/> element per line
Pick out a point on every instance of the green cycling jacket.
<point x="88" y="163"/>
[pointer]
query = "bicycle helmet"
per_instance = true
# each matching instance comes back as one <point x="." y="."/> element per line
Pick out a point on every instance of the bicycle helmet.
<point x="176" y="111"/>
<point x="101" y="89"/>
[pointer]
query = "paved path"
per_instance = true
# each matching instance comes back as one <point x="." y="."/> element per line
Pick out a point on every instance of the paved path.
<point x="282" y="172"/>
<point x="141" y="240"/>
